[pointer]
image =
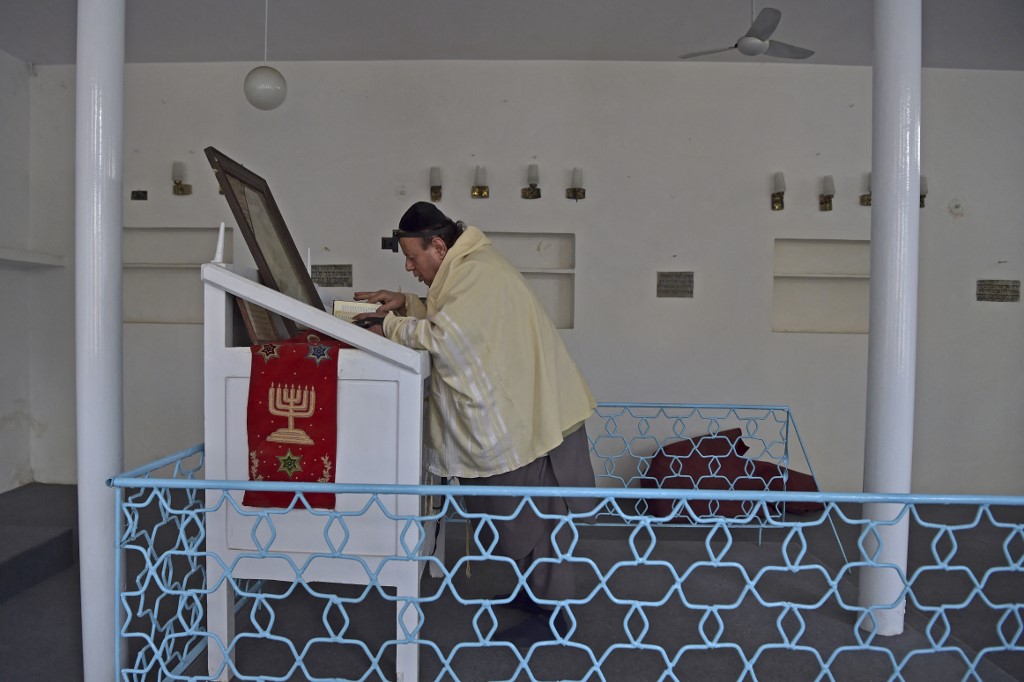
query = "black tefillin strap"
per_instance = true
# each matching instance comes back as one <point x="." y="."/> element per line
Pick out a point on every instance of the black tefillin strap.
<point x="391" y="243"/>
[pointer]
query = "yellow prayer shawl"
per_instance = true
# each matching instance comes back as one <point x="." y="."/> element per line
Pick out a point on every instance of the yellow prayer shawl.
<point x="503" y="389"/>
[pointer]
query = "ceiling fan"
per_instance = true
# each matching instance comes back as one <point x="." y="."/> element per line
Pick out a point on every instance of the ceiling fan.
<point x="757" y="41"/>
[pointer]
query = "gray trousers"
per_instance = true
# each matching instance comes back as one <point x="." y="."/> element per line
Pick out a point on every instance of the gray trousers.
<point x="527" y="538"/>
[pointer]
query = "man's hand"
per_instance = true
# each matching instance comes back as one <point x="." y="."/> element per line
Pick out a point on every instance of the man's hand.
<point x="370" y="321"/>
<point x="389" y="301"/>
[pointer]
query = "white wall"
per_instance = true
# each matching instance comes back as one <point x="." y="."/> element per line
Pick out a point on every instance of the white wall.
<point x="970" y="368"/>
<point x="677" y="162"/>
<point x="52" y="297"/>
<point x="15" y="406"/>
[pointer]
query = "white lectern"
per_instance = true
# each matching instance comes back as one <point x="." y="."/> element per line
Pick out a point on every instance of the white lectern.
<point x="380" y="436"/>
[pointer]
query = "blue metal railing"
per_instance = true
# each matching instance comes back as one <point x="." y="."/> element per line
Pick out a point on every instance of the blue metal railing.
<point x="655" y="599"/>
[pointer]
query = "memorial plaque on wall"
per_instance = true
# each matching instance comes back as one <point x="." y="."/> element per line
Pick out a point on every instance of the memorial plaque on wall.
<point x="675" y="285"/>
<point x="332" y="275"/>
<point x="998" y="290"/>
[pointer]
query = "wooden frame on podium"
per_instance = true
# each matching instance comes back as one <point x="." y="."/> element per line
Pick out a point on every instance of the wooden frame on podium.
<point x="263" y="227"/>
<point x="259" y="322"/>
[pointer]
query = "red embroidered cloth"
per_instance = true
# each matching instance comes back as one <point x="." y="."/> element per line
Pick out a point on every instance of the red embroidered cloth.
<point x="291" y="417"/>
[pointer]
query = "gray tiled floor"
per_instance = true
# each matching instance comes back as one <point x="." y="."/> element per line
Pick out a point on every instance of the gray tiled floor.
<point x="40" y="627"/>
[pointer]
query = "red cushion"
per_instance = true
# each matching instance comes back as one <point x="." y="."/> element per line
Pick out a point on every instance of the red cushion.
<point x="716" y="462"/>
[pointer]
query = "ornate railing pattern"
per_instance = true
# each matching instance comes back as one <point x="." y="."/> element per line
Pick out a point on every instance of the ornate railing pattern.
<point x="685" y="595"/>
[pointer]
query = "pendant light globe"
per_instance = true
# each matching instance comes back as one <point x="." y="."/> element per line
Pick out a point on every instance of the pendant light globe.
<point x="265" y="88"/>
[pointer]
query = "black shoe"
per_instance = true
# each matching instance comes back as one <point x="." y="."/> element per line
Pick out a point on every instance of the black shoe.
<point x="536" y="628"/>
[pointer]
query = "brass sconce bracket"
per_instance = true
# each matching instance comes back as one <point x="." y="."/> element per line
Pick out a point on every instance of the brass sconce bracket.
<point x="828" y="190"/>
<point x="179" y="189"/>
<point x="575" y="191"/>
<point x="865" y="199"/>
<point x="480" y="190"/>
<point x="777" y="202"/>
<point x="435" y="184"/>
<point x="532" y="191"/>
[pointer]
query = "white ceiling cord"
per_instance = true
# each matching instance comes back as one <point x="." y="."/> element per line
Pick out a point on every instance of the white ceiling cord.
<point x="264" y="86"/>
<point x="266" y="22"/>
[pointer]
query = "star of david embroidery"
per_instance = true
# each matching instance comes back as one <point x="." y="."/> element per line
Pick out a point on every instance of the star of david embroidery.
<point x="289" y="463"/>
<point x="268" y="351"/>
<point x="318" y="352"/>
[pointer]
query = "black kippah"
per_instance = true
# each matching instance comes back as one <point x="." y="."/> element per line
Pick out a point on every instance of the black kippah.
<point x="422" y="216"/>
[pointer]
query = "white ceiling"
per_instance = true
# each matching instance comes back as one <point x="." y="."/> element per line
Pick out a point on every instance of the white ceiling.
<point x="973" y="34"/>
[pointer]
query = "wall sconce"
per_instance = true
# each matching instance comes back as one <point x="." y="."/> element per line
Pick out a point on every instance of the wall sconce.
<point x="924" y="189"/>
<point x="828" y="190"/>
<point x="576" y="191"/>
<point x="865" y="199"/>
<point x="480" y="188"/>
<point x="532" y="179"/>
<point x="435" y="184"/>
<point x="778" y="191"/>
<point x="178" y="176"/>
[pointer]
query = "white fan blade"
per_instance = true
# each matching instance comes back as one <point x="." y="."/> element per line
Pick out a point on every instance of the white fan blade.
<point x="787" y="51"/>
<point x="765" y="24"/>
<point x="701" y="53"/>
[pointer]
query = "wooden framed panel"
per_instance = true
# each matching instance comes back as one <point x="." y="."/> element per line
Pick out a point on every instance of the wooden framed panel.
<point x="260" y="221"/>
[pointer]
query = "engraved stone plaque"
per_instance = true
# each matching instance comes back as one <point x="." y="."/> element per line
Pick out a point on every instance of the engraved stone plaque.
<point x="332" y="275"/>
<point x="675" y="285"/>
<point x="998" y="290"/>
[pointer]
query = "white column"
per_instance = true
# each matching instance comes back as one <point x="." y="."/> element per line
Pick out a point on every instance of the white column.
<point x="892" y="345"/>
<point x="99" y="105"/>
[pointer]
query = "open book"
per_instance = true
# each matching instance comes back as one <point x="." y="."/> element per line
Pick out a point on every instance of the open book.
<point x="346" y="310"/>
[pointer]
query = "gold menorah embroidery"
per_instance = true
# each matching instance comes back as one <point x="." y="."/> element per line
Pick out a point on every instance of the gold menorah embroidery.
<point x="293" y="402"/>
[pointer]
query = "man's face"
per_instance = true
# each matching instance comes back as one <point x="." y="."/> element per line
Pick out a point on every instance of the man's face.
<point x="423" y="261"/>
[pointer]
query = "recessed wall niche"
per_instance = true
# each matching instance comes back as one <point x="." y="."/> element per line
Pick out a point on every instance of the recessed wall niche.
<point x="547" y="260"/>
<point x="821" y="286"/>
<point x="160" y="276"/>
